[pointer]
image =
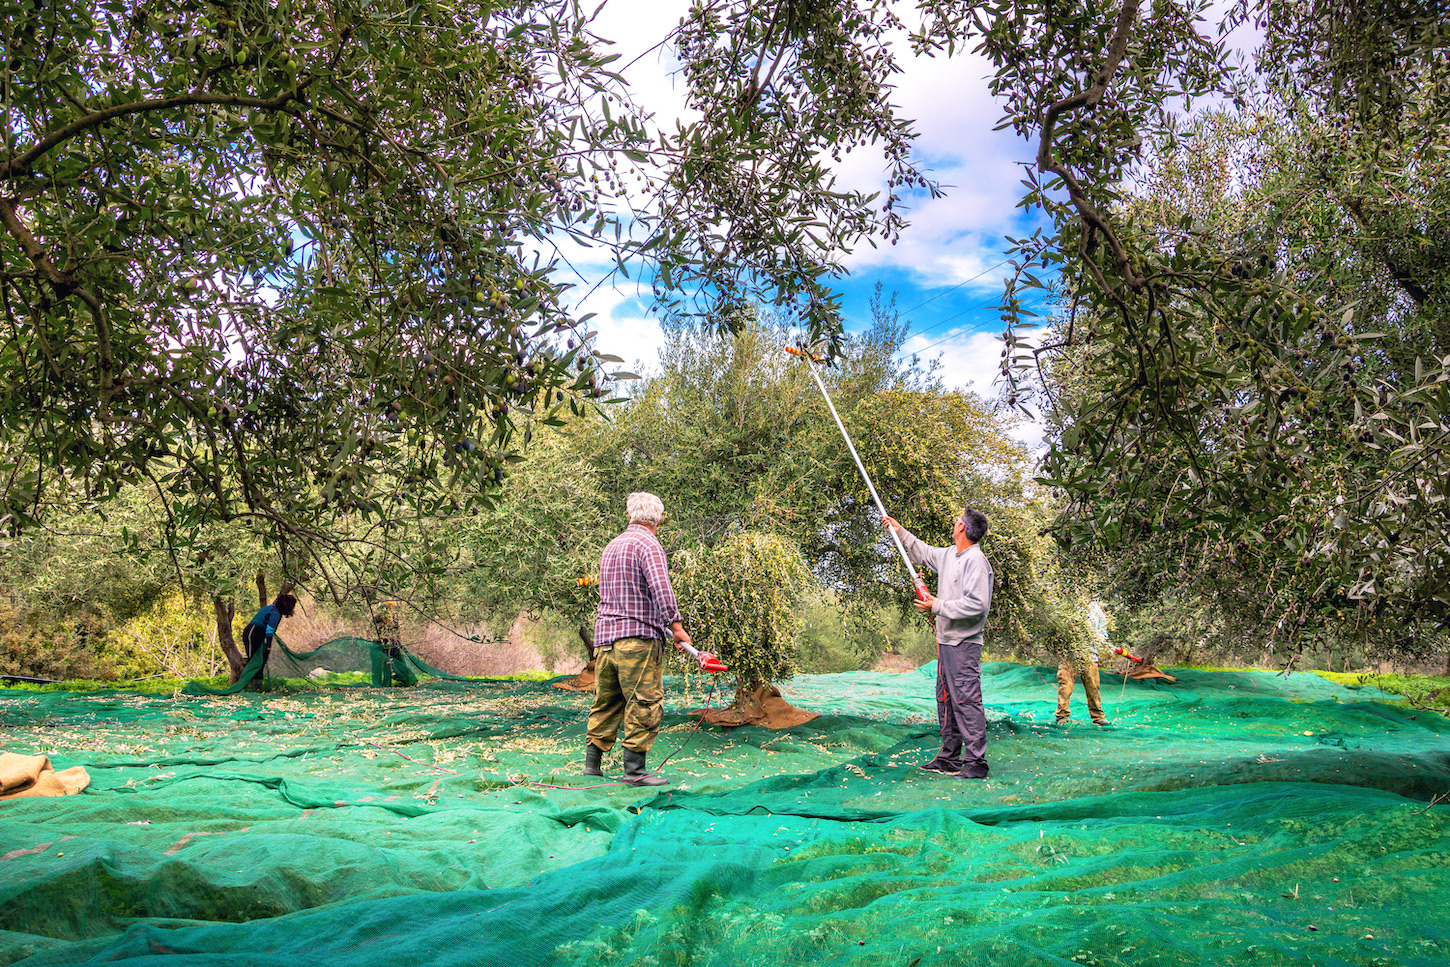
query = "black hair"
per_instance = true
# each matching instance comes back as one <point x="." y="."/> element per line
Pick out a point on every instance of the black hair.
<point x="976" y="524"/>
<point x="286" y="603"/>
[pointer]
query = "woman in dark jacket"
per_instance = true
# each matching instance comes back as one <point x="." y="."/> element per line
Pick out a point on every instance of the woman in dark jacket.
<point x="262" y="628"/>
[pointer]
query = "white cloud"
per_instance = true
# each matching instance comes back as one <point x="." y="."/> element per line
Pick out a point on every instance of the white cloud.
<point x="625" y="329"/>
<point x="971" y="361"/>
<point x="954" y="237"/>
<point x="635" y="28"/>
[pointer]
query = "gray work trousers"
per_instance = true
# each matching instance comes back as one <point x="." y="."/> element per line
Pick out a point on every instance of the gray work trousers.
<point x="959" y="708"/>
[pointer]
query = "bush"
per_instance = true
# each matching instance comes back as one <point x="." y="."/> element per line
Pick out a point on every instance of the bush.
<point x="855" y="637"/>
<point x="33" y="645"/>
<point x="173" y="636"/>
<point x="741" y="600"/>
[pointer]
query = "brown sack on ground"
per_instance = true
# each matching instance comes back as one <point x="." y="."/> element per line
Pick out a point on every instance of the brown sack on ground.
<point x="1145" y="670"/>
<point x="32" y="775"/>
<point x="583" y="682"/>
<point x="763" y="707"/>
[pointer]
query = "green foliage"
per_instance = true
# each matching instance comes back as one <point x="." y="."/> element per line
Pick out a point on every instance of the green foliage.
<point x="281" y="263"/>
<point x="532" y="552"/>
<point x="734" y="434"/>
<point x="854" y="637"/>
<point x="1250" y="354"/>
<point x="930" y="453"/>
<point x="558" y="636"/>
<point x="276" y="264"/>
<point x="174" y="635"/>
<point x="343" y="319"/>
<point x="741" y="599"/>
<point x="1419" y="691"/>
<point x="80" y="561"/>
<point x="725" y="433"/>
<point x="1285" y="504"/>
<point x="36" y="645"/>
<point x="773" y="90"/>
<point x="1061" y="630"/>
<point x="146" y="686"/>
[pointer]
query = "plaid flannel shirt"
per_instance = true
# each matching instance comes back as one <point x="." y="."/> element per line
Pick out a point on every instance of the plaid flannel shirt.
<point x="635" y="596"/>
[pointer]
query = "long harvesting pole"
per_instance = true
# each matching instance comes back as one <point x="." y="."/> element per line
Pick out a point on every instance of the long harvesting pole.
<point x="916" y="581"/>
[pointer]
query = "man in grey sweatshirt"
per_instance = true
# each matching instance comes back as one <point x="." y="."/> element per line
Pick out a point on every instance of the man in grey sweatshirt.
<point x="963" y="598"/>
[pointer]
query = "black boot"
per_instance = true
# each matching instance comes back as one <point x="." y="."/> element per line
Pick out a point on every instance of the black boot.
<point x="592" y="756"/>
<point x="636" y="774"/>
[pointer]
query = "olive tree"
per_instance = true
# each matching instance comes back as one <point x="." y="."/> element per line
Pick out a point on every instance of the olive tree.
<point x="741" y="600"/>
<point x="303" y="267"/>
<point x="1252" y="341"/>
<point x="539" y="549"/>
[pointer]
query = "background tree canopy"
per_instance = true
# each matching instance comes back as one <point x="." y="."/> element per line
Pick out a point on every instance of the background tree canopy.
<point x="733" y="434"/>
<point x="288" y="263"/>
<point x="298" y="270"/>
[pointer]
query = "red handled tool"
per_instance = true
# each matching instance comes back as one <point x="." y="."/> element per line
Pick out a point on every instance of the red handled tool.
<point x="917" y="582"/>
<point x="1128" y="655"/>
<point x="708" y="662"/>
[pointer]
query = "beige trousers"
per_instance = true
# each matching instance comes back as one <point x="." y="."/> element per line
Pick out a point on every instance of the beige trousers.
<point x="1066" y="674"/>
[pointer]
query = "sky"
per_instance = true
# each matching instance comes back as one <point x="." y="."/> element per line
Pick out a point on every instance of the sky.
<point x="947" y="270"/>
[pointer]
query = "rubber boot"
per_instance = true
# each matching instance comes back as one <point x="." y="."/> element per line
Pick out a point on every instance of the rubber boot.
<point x="592" y="757"/>
<point x="636" y="774"/>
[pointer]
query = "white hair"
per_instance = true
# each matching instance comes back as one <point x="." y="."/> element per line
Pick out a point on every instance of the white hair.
<point x="645" y="508"/>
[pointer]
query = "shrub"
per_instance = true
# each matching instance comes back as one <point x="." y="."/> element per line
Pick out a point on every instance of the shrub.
<point x="173" y="636"/>
<point x="855" y="636"/>
<point x="35" y="645"/>
<point x="741" y="599"/>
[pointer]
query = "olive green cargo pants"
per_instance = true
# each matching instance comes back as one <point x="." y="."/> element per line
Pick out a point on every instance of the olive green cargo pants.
<point x="629" y="694"/>
<point x="1066" y="673"/>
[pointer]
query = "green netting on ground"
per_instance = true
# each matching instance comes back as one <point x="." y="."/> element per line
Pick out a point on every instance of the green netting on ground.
<point x="1235" y="818"/>
<point x="341" y="661"/>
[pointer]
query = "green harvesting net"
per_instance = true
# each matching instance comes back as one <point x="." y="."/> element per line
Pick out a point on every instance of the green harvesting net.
<point x="1231" y="819"/>
<point x="347" y="660"/>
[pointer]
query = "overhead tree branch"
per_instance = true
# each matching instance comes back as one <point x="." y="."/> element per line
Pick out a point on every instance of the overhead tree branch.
<point x="1117" y="48"/>
<point x="22" y="164"/>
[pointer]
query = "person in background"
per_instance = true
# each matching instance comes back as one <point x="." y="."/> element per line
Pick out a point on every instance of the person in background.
<point x="637" y="615"/>
<point x="1067" y="671"/>
<point x="961" y="603"/>
<point x="390" y="666"/>
<point x="263" y="627"/>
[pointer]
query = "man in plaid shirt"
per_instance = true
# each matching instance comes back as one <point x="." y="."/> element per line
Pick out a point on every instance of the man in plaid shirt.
<point x="637" y="614"/>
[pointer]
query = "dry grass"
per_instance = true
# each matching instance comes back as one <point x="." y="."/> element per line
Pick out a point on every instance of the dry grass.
<point x="892" y="662"/>
<point x="311" y="626"/>
<point x="470" y="650"/>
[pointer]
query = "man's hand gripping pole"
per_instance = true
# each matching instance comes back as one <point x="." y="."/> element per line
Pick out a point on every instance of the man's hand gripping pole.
<point x="916" y="581"/>
<point x="708" y="662"/>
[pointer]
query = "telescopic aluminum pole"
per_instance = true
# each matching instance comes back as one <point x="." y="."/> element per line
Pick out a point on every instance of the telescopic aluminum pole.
<point x="916" y="581"/>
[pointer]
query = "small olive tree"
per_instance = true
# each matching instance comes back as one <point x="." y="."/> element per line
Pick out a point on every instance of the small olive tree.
<point x="741" y="599"/>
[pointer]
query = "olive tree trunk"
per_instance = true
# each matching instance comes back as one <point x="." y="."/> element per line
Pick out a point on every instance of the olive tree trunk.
<point x="226" y="610"/>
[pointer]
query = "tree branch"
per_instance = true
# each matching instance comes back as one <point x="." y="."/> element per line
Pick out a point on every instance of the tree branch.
<point x="1117" y="48"/>
<point x="1398" y="272"/>
<point x="18" y="166"/>
<point x="31" y="246"/>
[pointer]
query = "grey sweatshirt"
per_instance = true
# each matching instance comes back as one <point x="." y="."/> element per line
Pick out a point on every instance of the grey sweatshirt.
<point x="963" y="588"/>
